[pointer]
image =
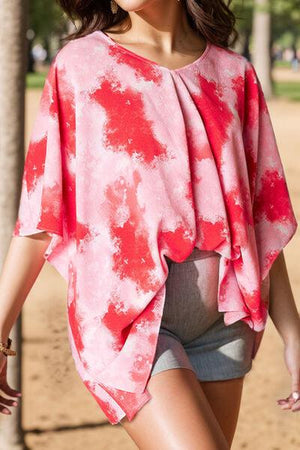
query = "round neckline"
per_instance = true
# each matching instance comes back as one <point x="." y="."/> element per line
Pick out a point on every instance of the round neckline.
<point x="150" y="61"/>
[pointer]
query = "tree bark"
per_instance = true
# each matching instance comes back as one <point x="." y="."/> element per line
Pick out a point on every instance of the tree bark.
<point x="13" y="56"/>
<point x="261" y="44"/>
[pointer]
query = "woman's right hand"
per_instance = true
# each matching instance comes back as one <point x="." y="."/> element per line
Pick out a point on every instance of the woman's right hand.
<point x="28" y="253"/>
<point x="5" y="388"/>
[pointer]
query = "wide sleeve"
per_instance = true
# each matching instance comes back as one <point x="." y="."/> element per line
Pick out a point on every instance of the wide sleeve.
<point x="273" y="215"/>
<point x="41" y="206"/>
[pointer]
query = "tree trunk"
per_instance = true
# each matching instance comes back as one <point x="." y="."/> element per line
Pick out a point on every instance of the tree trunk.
<point x="261" y="44"/>
<point x="13" y="55"/>
<point x="242" y="44"/>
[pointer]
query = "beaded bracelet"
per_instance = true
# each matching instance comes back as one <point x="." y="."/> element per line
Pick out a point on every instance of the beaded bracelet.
<point x="5" y="348"/>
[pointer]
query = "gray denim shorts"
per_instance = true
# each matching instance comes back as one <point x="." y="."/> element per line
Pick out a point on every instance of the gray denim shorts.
<point x="192" y="333"/>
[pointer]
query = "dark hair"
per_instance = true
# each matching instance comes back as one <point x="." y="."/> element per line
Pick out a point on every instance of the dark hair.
<point x="213" y="19"/>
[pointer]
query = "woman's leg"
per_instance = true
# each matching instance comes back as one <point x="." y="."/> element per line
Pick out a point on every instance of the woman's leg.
<point x="224" y="398"/>
<point x="178" y="416"/>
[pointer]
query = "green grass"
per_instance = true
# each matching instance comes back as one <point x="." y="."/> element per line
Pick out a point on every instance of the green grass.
<point x="279" y="63"/>
<point x="288" y="89"/>
<point x="35" y="80"/>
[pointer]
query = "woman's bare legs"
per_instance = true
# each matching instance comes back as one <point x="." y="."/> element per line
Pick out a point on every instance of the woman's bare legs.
<point x="224" y="398"/>
<point x="178" y="416"/>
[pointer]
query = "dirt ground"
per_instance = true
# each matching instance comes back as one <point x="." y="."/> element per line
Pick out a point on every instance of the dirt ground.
<point x="59" y="412"/>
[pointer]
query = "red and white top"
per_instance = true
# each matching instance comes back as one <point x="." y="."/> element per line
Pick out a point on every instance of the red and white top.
<point x="129" y="162"/>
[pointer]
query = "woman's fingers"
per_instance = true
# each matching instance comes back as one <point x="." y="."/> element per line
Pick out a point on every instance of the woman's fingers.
<point x="291" y="402"/>
<point x="4" y="410"/>
<point x="6" y="389"/>
<point x="8" y="401"/>
<point x="286" y="406"/>
<point x="284" y="403"/>
<point x="296" y="400"/>
<point x="10" y="391"/>
<point x="296" y="406"/>
<point x="295" y="375"/>
<point x="292" y="360"/>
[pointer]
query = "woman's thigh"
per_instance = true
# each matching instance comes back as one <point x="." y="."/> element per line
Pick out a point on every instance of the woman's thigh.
<point x="224" y="397"/>
<point x="178" y="416"/>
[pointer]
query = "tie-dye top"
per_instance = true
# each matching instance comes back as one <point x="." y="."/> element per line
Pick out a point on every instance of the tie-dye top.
<point x="130" y="162"/>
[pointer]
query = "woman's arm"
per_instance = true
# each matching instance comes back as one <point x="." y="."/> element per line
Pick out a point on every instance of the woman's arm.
<point x="283" y="309"/>
<point x="284" y="314"/>
<point x="23" y="262"/>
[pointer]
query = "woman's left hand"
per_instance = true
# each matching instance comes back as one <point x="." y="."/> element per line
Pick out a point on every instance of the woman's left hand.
<point x="292" y="361"/>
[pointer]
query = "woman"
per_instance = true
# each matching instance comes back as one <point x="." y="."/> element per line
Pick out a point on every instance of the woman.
<point x="116" y="186"/>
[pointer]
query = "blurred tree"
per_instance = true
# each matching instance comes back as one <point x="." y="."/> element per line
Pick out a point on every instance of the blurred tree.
<point x="13" y="17"/>
<point x="243" y="10"/>
<point x="260" y="24"/>
<point x="45" y="17"/>
<point x="286" y="18"/>
<point x="47" y="21"/>
<point x="262" y="44"/>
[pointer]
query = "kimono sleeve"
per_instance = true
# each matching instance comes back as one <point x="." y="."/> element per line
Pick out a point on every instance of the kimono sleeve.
<point x="274" y="218"/>
<point x="41" y="206"/>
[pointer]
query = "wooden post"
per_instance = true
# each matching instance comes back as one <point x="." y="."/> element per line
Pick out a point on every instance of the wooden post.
<point x="261" y="44"/>
<point x="13" y="58"/>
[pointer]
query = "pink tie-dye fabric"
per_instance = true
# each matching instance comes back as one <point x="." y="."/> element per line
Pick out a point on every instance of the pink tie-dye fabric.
<point x="129" y="162"/>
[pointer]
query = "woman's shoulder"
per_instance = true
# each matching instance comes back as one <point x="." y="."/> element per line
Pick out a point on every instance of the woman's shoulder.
<point x="79" y="53"/>
<point x="227" y="60"/>
<point x="227" y="63"/>
<point x="231" y="74"/>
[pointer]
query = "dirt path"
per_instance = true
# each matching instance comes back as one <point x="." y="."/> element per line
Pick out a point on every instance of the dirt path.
<point x="60" y="414"/>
